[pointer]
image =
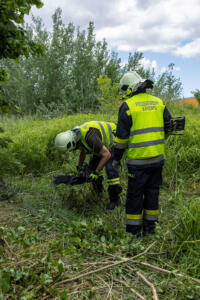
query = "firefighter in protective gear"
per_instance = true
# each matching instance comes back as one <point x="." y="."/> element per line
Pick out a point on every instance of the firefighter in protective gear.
<point x="95" y="138"/>
<point x="140" y="133"/>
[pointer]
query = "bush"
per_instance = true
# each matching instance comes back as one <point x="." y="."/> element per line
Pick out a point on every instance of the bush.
<point x="32" y="150"/>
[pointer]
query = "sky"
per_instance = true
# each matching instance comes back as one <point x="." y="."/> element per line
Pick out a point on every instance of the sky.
<point x="166" y="31"/>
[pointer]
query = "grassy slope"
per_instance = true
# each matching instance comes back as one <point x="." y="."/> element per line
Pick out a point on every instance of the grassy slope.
<point x="50" y="235"/>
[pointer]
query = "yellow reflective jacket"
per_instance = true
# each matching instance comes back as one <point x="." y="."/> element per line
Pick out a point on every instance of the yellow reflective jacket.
<point x="146" y="138"/>
<point x="106" y="129"/>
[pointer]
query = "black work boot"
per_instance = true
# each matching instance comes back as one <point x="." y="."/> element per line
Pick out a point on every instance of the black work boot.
<point x="113" y="204"/>
<point x="149" y="226"/>
<point x="135" y="230"/>
<point x="114" y="192"/>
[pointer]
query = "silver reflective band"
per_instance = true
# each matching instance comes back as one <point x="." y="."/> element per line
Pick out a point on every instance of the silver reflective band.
<point x="147" y="130"/>
<point x="103" y="132"/>
<point x="110" y="133"/>
<point x="133" y="222"/>
<point x="121" y="146"/>
<point x="146" y="144"/>
<point x="145" y="161"/>
<point x="150" y="217"/>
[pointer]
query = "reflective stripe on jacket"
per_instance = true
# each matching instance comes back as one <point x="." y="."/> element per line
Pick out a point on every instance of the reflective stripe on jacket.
<point x="106" y="129"/>
<point x="146" y="138"/>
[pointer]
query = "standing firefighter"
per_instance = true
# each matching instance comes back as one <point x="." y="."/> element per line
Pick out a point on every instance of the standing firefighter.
<point x="95" y="138"/>
<point x="140" y="131"/>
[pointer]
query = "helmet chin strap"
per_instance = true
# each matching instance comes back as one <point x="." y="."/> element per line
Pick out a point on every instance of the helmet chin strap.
<point x="126" y="94"/>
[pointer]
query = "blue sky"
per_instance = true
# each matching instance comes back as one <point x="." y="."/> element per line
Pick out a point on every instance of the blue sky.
<point x="165" y="31"/>
<point x="188" y="69"/>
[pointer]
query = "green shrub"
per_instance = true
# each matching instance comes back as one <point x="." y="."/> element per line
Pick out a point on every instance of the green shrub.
<point x="32" y="150"/>
<point x="189" y="225"/>
<point x="186" y="243"/>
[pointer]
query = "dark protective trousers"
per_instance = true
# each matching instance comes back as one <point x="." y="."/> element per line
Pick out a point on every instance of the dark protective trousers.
<point x="142" y="198"/>
<point x="114" y="188"/>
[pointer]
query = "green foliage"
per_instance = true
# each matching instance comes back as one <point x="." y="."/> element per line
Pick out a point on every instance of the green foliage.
<point x="14" y="41"/>
<point x="109" y="94"/>
<point x="196" y="94"/>
<point x="74" y="240"/>
<point x="33" y="149"/>
<point x="167" y="86"/>
<point x="185" y="242"/>
<point x="64" y="80"/>
<point x="189" y="228"/>
<point x="182" y="152"/>
<point x="75" y="231"/>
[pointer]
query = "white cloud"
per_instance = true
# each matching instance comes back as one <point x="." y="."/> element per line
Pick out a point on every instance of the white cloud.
<point x="190" y="49"/>
<point x="148" y="64"/>
<point x="144" y="25"/>
<point x="145" y="62"/>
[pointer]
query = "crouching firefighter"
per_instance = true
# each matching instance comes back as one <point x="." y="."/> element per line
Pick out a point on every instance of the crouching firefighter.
<point x="141" y="134"/>
<point x="97" y="139"/>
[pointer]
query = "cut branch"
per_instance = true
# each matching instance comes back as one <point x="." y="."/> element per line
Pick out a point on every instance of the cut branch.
<point x="131" y="289"/>
<point x="155" y="296"/>
<point x="105" y="267"/>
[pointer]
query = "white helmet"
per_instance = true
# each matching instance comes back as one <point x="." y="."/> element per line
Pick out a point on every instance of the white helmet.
<point x="129" y="81"/>
<point x="67" y="140"/>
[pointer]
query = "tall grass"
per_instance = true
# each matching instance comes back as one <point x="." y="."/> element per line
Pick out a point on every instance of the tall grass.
<point x="32" y="150"/>
<point x="72" y="220"/>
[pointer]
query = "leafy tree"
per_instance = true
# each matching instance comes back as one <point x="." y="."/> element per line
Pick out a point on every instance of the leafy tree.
<point x="196" y="94"/>
<point x="13" y="38"/>
<point x="113" y="67"/>
<point x="167" y="86"/>
<point x="14" y="42"/>
<point x="109" y="98"/>
<point x="134" y="62"/>
<point x="64" y="80"/>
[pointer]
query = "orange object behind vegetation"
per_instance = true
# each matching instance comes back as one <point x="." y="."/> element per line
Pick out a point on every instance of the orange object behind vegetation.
<point x="192" y="101"/>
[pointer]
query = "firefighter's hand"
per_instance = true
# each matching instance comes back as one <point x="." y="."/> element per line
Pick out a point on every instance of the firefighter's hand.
<point x="116" y="165"/>
<point x="94" y="176"/>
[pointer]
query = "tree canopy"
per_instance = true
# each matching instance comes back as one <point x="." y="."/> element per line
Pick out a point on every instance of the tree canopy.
<point x="14" y="41"/>
<point x="13" y="37"/>
<point x="77" y="73"/>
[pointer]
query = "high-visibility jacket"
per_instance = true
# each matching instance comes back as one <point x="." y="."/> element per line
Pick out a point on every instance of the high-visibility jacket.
<point x="147" y="136"/>
<point x="106" y="129"/>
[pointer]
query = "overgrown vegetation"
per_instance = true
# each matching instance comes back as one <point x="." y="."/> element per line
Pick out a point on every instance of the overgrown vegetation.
<point x="64" y="79"/>
<point x="196" y="94"/>
<point x="61" y="244"/>
<point x="14" y="40"/>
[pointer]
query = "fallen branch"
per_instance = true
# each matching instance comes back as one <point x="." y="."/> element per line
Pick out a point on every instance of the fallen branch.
<point x="131" y="289"/>
<point x="105" y="283"/>
<point x="155" y="296"/>
<point x="104" y="268"/>
<point x="163" y="270"/>
<point x="150" y="266"/>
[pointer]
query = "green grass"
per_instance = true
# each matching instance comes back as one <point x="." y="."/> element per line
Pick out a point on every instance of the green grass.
<point x="48" y="236"/>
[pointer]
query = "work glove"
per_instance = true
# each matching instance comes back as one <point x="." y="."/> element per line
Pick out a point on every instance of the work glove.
<point x="94" y="176"/>
<point x="116" y="165"/>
